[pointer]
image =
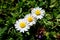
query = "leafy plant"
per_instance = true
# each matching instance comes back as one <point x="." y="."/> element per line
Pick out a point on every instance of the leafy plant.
<point x="12" y="10"/>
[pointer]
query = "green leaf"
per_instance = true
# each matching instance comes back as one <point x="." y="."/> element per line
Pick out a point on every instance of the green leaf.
<point x="2" y="30"/>
<point x="58" y="16"/>
<point x="48" y="16"/>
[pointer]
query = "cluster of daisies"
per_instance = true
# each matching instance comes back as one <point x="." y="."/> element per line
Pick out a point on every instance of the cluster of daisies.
<point x="30" y="19"/>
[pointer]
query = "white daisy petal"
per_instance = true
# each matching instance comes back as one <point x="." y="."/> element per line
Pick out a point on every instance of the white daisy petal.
<point x="21" y="30"/>
<point x="25" y="29"/>
<point x="17" y="29"/>
<point x="40" y="17"/>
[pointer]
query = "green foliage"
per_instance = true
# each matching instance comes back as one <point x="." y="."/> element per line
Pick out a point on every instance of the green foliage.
<point x="12" y="10"/>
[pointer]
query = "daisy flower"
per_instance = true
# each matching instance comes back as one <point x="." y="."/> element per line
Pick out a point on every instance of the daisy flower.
<point x="38" y="12"/>
<point x="21" y="25"/>
<point x="30" y="19"/>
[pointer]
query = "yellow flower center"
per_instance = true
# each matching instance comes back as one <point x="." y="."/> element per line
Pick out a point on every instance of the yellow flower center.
<point x="30" y="18"/>
<point x="22" y="24"/>
<point x="37" y="12"/>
